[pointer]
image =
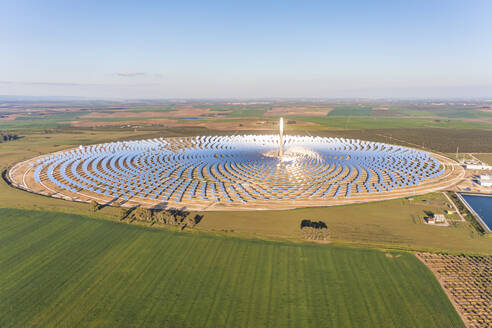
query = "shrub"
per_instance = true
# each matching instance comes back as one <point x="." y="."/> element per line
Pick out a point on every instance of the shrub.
<point x="143" y="214"/>
<point x="93" y="206"/>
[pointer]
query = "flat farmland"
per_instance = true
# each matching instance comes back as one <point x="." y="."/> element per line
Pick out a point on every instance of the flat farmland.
<point x="375" y="122"/>
<point x="435" y="139"/>
<point x="485" y="157"/>
<point x="319" y="115"/>
<point x="68" y="270"/>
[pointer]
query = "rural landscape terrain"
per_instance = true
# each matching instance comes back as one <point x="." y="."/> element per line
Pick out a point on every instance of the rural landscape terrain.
<point x="80" y="264"/>
<point x="246" y="164"/>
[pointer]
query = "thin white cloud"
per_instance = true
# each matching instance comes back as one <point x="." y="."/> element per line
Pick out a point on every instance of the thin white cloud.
<point x="55" y="84"/>
<point x="70" y="84"/>
<point x="131" y="74"/>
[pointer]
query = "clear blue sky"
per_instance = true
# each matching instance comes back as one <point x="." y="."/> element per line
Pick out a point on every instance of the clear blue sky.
<point x="170" y="49"/>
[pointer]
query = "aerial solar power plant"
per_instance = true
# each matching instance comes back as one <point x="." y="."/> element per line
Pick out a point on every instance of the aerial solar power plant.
<point x="246" y="164"/>
<point x="239" y="171"/>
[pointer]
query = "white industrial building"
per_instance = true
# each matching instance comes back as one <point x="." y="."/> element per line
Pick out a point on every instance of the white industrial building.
<point x="474" y="164"/>
<point x="477" y="166"/>
<point x="436" y="219"/>
<point x="485" y="180"/>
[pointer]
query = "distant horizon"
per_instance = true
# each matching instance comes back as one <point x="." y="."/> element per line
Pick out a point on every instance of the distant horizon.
<point x="4" y="97"/>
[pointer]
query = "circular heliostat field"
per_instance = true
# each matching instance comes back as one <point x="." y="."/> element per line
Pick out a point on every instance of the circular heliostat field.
<point x="245" y="172"/>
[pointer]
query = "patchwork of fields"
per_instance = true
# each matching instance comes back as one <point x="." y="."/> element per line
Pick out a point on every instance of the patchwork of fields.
<point x="68" y="270"/>
<point x="304" y="115"/>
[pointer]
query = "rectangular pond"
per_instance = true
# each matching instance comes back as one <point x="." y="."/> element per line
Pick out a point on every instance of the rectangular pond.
<point x="482" y="206"/>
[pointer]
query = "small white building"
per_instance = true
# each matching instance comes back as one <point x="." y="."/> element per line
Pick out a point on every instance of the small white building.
<point x="474" y="164"/>
<point x="439" y="218"/>
<point x="485" y="180"/>
<point x="436" y="219"/>
<point x="478" y="166"/>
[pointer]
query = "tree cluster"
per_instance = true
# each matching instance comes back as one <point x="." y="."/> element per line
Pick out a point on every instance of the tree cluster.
<point x="174" y="217"/>
<point x="5" y="136"/>
<point x="314" y="230"/>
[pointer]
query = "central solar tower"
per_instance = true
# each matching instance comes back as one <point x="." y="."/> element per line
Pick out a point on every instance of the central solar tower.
<point x="281" y="133"/>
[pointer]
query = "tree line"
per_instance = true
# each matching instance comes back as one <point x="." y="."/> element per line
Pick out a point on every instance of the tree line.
<point x="172" y="216"/>
<point x="6" y="136"/>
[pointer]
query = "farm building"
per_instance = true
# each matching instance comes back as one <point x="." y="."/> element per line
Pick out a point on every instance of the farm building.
<point x="439" y="218"/>
<point x="436" y="219"/>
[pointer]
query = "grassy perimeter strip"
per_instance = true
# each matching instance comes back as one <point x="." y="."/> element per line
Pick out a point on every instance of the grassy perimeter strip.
<point x="67" y="270"/>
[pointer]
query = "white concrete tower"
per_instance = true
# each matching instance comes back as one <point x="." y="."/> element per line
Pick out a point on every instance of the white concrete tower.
<point x="281" y="151"/>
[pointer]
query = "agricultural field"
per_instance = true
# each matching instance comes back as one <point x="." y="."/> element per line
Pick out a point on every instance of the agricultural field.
<point x="305" y="116"/>
<point x="351" y="111"/>
<point x="368" y="122"/>
<point x="433" y="139"/>
<point x="69" y="270"/>
<point x="467" y="280"/>
<point x="484" y="157"/>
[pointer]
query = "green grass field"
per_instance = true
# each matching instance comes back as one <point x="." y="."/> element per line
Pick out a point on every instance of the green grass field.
<point x="350" y="111"/>
<point x="58" y="270"/>
<point x="367" y="122"/>
<point x="462" y="113"/>
<point x="410" y="112"/>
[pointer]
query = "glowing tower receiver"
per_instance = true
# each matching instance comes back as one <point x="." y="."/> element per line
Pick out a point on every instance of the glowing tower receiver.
<point x="281" y="151"/>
